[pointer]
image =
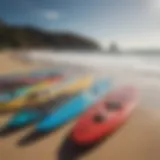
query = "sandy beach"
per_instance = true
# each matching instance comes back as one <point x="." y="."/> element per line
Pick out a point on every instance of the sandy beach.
<point x="138" y="139"/>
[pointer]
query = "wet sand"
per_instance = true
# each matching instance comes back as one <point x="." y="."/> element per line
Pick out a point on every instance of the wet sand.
<point x="138" y="139"/>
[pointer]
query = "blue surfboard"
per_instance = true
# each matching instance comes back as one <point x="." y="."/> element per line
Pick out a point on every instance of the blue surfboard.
<point x="74" y="107"/>
<point x="30" y="115"/>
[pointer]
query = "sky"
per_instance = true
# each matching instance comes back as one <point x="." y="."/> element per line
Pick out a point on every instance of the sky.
<point x="130" y="23"/>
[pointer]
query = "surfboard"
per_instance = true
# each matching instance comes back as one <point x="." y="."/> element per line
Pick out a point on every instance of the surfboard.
<point x="70" y="85"/>
<point x="105" y="117"/>
<point x="11" y="97"/>
<point x="74" y="107"/>
<point x="12" y="86"/>
<point x="37" y="73"/>
<point x="67" y="87"/>
<point x="20" y="92"/>
<point x="32" y="114"/>
<point x="14" y="77"/>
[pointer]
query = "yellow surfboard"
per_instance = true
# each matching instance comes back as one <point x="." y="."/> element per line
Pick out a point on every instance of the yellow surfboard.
<point x="36" y="97"/>
<point x="26" y="91"/>
<point x="66" y="88"/>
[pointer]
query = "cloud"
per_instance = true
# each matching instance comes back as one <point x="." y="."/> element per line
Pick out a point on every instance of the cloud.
<point x="50" y="15"/>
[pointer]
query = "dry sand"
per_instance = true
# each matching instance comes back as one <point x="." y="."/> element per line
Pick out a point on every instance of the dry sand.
<point x="138" y="139"/>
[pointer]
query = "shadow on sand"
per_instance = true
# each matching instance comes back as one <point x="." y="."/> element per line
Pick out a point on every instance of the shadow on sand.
<point x="71" y="151"/>
<point x="7" y="131"/>
<point x="31" y="138"/>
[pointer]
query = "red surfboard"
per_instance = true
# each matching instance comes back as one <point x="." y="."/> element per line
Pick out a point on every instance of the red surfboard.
<point x="105" y="117"/>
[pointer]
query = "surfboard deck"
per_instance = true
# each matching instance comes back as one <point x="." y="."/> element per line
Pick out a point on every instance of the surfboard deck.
<point x="74" y="107"/>
<point x="40" y="95"/>
<point x="71" y="87"/>
<point x="31" y="114"/>
<point x="12" y="86"/>
<point x="105" y="117"/>
<point x="22" y="92"/>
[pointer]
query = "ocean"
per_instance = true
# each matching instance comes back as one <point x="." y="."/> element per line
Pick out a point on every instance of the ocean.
<point x="140" y="70"/>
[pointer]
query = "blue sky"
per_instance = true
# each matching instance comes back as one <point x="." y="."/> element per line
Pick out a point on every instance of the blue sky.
<point x="131" y="23"/>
